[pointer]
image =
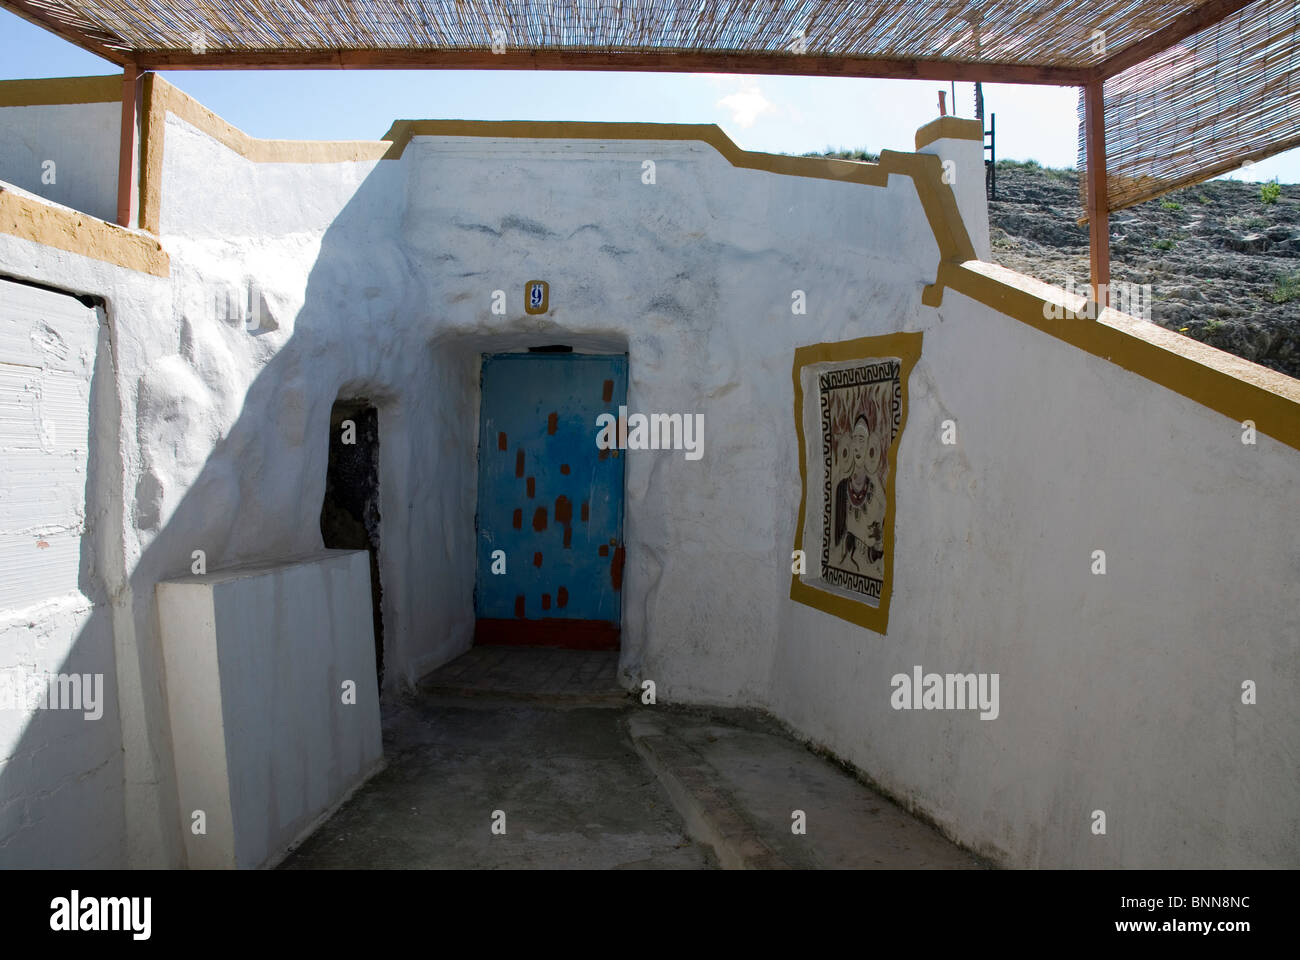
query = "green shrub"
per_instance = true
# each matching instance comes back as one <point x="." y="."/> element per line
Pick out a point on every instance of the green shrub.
<point x="1287" y="289"/>
<point x="1170" y="205"/>
<point x="842" y="154"/>
<point x="1164" y="243"/>
<point x="1269" y="192"/>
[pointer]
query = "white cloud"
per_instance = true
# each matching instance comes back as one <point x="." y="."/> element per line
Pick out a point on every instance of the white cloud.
<point x="746" y="106"/>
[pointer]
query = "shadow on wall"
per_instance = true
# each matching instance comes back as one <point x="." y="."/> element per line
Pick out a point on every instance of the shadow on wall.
<point x="61" y="780"/>
<point x="225" y="421"/>
<point x="250" y="453"/>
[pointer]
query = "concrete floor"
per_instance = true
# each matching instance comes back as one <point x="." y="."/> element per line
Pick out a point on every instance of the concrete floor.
<point x="589" y="778"/>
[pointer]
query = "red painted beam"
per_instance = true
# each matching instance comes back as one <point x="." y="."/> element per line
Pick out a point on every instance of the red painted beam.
<point x="1098" y="212"/>
<point x="783" y="64"/>
<point x="127" y="180"/>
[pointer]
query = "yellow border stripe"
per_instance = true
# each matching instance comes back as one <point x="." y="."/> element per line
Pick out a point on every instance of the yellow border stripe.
<point x="1234" y="387"/>
<point x="949" y="128"/>
<point x="262" y="151"/>
<point x="55" y="91"/>
<point x="926" y="171"/>
<point x="81" y="233"/>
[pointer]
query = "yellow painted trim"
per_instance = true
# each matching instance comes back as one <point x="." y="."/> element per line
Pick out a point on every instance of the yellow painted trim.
<point x="907" y="347"/>
<point x="80" y="233"/>
<point x="949" y="128"/>
<point x="1236" y="388"/>
<point x="153" y="130"/>
<point x="194" y="113"/>
<point x="60" y="90"/>
<point x="926" y="171"/>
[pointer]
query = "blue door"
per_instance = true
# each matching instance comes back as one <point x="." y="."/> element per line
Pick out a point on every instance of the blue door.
<point x="550" y="504"/>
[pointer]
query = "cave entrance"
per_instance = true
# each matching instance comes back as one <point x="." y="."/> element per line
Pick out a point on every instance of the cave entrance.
<point x="349" y="516"/>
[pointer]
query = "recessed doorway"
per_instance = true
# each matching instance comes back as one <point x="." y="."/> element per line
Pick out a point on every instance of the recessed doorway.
<point x="550" y="503"/>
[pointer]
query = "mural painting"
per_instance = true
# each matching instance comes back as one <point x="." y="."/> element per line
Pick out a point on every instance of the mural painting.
<point x="850" y="411"/>
<point x="861" y="410"/>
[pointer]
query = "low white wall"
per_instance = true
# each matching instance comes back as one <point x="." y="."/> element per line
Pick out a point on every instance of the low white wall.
<point x="64" y="152"/>
<point x="267" y="735"/>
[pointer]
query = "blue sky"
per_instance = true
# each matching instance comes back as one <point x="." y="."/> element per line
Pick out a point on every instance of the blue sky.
<point x="777" y="114"/>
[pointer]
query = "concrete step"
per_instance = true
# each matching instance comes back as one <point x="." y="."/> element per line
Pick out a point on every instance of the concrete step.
<point x="737" y="780"/>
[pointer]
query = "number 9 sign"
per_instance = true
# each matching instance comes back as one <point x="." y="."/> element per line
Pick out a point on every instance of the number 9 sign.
<point x="537" y="296"/>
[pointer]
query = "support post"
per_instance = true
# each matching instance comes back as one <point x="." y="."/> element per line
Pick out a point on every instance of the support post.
<point x="127" y="177"/>
<point x="1094" y="106"/>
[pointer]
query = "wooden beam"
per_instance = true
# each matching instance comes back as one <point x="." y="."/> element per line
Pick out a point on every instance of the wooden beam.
<point x="1206" y="15"/>
<point x="68" y="32"/>
<point x="127" y="180"/>
<point x="784" y="64"/>
<point x="1094" y="105"/>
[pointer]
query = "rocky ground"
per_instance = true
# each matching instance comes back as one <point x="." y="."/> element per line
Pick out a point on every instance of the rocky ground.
<point x="1223" y="265"/>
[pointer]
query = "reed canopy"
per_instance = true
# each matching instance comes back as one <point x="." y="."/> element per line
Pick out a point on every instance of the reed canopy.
<point x="1182" y="90"/>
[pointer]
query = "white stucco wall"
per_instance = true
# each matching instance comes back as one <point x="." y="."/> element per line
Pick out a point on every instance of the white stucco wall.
<point x="967" y="179"/>
<point x="60" y="769"/>
<point x="82" y="142"/>
<point x="132" y="815"/>
<point x="1120" y="692"/>
<point x="1093" y="424"/>
<point x="378" y="281"/>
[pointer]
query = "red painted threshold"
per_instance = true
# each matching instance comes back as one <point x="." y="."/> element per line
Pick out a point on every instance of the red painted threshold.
<point x="547" y="632"/>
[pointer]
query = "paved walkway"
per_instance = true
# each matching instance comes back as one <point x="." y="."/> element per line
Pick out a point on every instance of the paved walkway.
<point x="587" y="777"/>
<point x="535" y="673"/>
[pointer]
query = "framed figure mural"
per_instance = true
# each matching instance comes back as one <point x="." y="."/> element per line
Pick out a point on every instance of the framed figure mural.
<point x="850" y="410"/>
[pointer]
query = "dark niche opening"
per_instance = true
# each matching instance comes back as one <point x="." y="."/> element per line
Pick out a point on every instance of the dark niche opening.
<point x="349" y="516"/>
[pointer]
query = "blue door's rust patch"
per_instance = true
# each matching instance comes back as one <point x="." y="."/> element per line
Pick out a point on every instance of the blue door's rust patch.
<point x="539" y="412"/>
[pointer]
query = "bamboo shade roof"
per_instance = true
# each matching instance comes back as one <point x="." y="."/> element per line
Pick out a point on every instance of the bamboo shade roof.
<point x="1192" y="87"/>
<point x="1014" y="33"/>
<point x="1227" y="94"/>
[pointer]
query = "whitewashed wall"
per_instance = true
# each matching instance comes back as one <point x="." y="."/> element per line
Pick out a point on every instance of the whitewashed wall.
<point x="966" y="176"/>
<point x="693" y="275"/>
<point x="1118" y="692"/>
<point x="60" y="769"/>
<point x="80" y="140"/>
